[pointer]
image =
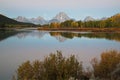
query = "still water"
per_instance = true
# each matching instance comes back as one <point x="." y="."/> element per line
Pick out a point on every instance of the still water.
<point x="17" y="47"/>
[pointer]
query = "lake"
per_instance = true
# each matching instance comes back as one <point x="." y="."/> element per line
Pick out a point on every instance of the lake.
<point x="17" y="47"/>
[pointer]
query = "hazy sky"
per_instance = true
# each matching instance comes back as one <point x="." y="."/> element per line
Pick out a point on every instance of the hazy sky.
<point x="77" y="9"/>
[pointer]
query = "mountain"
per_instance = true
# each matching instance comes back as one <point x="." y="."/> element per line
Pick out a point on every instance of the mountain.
<point x="8" y="21"/>
<point x="38" y="20"/>
<point x="53" y="20"/>
<point x="61" y="17"/>
<point x="89" y="18"/>
<point x="21" y="19"/>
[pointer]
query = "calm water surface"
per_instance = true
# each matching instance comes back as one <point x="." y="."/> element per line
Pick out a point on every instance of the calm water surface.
<point x="18" y="46"/>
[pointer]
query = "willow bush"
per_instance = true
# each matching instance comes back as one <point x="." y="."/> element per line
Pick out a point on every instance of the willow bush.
<point x="53" y="67"/>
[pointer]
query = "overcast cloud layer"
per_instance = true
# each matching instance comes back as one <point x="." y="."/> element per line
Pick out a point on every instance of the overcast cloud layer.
<point x="48" y="8"/>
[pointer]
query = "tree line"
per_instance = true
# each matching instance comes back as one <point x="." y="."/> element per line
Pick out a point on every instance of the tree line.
<point x="57" y="67"/>
<point x="112" y="22"/>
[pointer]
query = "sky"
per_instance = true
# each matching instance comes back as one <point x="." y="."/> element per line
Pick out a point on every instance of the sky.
<point x="77" y="9"/>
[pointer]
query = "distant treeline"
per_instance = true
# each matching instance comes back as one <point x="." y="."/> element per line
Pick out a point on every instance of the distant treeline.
<point x="112" y="22"/>
<point x="57" y="67"/>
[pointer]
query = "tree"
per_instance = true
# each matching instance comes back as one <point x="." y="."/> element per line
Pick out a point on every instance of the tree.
<point x="102" y="24"/>
<point x="107" y="64"/>
<point x="74" y="24"/>
<point x="80" y="24"/>
<point x="55" y="25"/>
<point x="66" y="23"/>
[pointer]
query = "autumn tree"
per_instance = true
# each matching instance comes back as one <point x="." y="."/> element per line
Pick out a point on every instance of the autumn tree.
<point x="74" y="24"/>
<point x="66" y="23"/>
<point x="102" y="24"/>
<point x="55" y="25"/>
<point x="107" y="64"/>
<point x="80" y="24"/>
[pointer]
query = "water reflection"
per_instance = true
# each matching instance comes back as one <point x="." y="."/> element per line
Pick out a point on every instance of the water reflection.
<point x="6" y="33"/>
<point x="38" y="34"/>
<point x="60" y="36"/>
<point x="68" y="35"/>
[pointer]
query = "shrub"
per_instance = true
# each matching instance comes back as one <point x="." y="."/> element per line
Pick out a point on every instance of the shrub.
<point x="53" y="67"/>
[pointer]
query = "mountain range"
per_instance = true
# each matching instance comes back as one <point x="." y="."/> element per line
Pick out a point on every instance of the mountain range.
<point x="60" y="17"/>
<point x="38" y="20"/>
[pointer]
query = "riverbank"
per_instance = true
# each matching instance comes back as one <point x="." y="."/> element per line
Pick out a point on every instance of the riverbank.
<point x="82" y="29"/>
<point x="19" y="29"/>
<point x="67" y="29"/>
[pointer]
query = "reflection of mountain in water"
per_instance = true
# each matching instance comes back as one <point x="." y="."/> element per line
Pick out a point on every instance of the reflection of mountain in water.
<point x="22" y="35"/>
<point x="38" y="34"/>
<point x="60" y="36"/>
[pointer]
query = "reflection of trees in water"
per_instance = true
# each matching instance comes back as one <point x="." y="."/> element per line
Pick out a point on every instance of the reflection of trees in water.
<point x="6" y="34"/>
<point x="69" y="35"/>
<point x="109" y="36"/>
<point x="60" y="36"/>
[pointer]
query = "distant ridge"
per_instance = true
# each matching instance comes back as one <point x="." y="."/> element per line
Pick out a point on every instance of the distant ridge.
<point x="38" y="20"/>
<point x="21" y="19"/>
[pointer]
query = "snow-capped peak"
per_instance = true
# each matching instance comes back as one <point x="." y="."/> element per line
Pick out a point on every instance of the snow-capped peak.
<point x="61" y="17"/>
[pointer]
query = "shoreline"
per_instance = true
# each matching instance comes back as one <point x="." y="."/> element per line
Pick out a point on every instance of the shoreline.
<point x="82" y="29"/>
<point x="68" y="29"/>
